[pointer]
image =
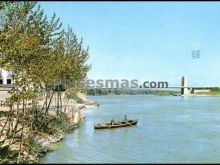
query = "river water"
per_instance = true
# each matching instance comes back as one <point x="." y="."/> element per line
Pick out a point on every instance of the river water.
<point x="170" y="130"/>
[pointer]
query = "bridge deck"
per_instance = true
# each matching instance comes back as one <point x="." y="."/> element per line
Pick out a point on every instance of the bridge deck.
<point x="205" y="87"/>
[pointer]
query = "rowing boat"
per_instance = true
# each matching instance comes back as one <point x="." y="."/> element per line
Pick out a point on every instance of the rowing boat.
<point x="116" y="124"/>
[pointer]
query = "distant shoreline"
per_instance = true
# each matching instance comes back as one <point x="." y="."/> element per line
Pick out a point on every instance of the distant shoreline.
<point x="154" y="95"/>
<point x="131" y="92"/>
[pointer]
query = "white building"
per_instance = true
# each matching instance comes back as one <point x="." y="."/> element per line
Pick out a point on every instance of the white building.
<point x="5" y="77"/>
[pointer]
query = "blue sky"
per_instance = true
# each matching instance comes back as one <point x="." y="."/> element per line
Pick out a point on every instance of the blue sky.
<point x="146" y="40"/>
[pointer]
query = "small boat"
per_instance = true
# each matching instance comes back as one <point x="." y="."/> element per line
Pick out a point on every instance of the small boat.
<point x="116" y="124"/>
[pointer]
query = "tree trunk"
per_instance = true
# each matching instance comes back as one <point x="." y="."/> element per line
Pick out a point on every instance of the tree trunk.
<point x="22" y="131"/>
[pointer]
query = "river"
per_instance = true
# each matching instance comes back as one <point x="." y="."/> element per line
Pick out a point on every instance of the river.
<point x="170" y="130"/>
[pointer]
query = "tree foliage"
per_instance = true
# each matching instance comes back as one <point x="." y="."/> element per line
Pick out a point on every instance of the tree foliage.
<point x="40" y="54"/>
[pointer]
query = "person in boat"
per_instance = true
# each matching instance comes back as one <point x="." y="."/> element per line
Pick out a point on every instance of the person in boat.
<point x="126" y="120"/>
<point x="112" y="122"/>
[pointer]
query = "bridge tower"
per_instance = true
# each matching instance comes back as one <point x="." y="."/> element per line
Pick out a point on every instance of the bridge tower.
<point x="184" y="84"/>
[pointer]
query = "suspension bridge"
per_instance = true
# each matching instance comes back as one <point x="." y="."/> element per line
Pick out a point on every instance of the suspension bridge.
<point x="187" y="90"/>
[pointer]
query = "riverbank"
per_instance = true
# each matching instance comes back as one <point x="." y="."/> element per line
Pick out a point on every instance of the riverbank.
<point x="41" y="142"/>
